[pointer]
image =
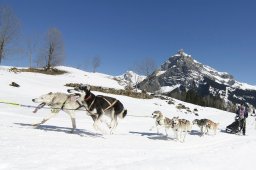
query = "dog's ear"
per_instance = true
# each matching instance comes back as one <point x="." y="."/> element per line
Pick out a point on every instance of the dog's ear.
<point x="82" y="87"/>
<point x="88" y="88"/>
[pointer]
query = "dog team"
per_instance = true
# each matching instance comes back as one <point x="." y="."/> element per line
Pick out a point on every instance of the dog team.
<point x="181" y="127"/>
<point x="82" y="97"/>
<point x="98" y="106"/>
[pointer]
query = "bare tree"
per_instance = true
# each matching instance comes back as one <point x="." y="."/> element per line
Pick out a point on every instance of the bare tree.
<point x="96" y="62"/>
<point x="146" y="66"/>
<point x="31" y="48"/>
<point x="9" y="29"/>
<point x="53" y="53"/>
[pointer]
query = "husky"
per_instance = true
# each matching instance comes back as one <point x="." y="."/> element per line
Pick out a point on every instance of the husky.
<point x="69" y="103"/>
<point x="99" y="105"/>
<point x="205" y="125"/>
<point x="180" y="126"/>
<point x="161" y="120"/>
<point x="212" y="126"/>
<point x="201" y="123"/>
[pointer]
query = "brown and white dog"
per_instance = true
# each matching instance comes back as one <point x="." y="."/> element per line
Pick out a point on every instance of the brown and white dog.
<point x="161" y="120"/>
<point x="212" y="126"/>
<point x="180" y="127"/>
<point x="205" y="125"/>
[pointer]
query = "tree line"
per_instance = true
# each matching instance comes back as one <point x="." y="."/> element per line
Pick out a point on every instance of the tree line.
<point x="191" y="96"/>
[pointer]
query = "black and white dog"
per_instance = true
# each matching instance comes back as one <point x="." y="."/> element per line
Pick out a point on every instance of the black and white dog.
<point x="98" y="105"/>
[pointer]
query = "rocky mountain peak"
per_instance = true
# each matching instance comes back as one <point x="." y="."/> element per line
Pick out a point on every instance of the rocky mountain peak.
<point x="184" y="73"/>
<point x="129" y="78"/>
<point x="181" y="60"/>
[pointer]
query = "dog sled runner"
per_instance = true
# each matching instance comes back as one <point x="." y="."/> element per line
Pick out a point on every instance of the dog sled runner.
<point x="234" y="127"/>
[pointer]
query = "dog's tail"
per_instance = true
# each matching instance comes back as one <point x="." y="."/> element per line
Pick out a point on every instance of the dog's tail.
<point x="123" y="113"/>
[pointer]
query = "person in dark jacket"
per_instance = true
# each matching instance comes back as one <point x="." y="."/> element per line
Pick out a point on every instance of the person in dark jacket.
<point x="242" y="113"/>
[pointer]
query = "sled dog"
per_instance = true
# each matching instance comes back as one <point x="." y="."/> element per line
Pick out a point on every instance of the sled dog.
<point x="161" y="120"/>
<point x="180" y="127"/>
<point x="69" y="103"/>
<point x="99" y="105"/>
<point x="212" y="126"/>
<point x="205" y="125"/>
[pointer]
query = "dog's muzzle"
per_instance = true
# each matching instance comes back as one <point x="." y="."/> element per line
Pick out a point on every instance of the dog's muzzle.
<point x="173" y="124"/>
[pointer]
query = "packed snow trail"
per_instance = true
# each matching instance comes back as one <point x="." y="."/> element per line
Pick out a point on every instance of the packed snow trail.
<point x="133" y="146"/>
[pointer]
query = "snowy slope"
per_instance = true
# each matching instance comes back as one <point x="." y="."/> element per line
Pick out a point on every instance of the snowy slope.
<point x="133" y="146"/>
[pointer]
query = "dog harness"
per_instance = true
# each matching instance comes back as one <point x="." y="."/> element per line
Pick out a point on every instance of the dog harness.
<point x="110" y="104"/>
<point x="80" y="105"/>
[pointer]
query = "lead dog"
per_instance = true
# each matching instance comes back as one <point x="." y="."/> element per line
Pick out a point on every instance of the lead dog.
<point x="98" y="105"/>
<point x="69" y="103"/>
<point x="161" y="120"/>
<point x="180" y="127"/>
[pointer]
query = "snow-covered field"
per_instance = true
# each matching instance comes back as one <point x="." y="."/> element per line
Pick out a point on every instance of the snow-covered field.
<point x="133" y="146"/>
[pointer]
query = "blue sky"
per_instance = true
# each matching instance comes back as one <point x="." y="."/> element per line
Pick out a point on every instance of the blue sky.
<point x="218" y="33"/>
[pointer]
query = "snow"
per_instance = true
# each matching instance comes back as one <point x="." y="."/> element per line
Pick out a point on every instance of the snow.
<point x="130" y="78"/>
<point x="166" y="89"/>
<point x="133" y="146"/>
<point x="159" y="73"/>
<point x="244" y="86"/>
<point x="217" y="76"/>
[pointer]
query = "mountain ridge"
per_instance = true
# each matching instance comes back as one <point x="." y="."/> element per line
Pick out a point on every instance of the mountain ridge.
<point x="185" y="73"/>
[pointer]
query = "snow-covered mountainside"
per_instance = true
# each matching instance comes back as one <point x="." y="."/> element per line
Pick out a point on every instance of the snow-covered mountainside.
<point x="183" y="72"/>
<point x="132" y="147"/>
<point x="130" y="78"/>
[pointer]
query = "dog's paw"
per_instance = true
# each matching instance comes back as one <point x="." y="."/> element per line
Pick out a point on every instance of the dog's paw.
<point x="72" y="131"/>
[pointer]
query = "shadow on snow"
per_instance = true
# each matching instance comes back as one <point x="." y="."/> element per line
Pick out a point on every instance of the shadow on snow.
<point x="161" y="136"/>
<point x="153" y="136"/>
<point x="80" y="132"/>
<point x="195" y="133"/>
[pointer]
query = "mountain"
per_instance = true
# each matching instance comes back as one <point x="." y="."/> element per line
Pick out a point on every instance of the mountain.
<point x="181" y="73"/>
<point x="129" y="78"/>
